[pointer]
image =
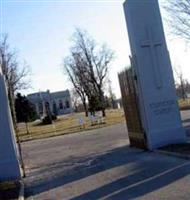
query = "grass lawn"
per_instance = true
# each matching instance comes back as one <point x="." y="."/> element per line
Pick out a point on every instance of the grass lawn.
<point x="66" y="124"/>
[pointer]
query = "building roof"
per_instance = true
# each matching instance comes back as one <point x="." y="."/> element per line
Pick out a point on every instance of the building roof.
<point x="60" y="94"/>
<point x="35" y="97"/>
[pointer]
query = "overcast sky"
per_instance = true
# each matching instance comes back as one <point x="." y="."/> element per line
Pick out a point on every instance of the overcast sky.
<point x="41" y="32"/>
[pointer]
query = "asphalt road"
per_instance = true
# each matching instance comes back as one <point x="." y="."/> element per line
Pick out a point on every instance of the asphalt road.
<point x="99" y="164"/>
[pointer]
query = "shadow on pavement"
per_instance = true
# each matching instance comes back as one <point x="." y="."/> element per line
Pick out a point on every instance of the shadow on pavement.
<point x="138" y="184"/>
<point x="80" y="168"/>
<point x="148" y="173"/>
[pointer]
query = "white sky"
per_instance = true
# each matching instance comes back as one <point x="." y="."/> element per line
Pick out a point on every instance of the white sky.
<point x="41" y="31"/>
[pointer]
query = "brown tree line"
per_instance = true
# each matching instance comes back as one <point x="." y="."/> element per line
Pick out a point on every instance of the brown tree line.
<point x="87" y="68"/>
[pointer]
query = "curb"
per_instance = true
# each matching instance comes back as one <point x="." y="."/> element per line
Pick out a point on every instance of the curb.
<point x="178" y="155"/>
<point x="21" y="193"/>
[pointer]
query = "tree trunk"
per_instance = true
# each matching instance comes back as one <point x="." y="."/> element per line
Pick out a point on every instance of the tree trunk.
<point x="85" y="109"/>
<point x="103" y="113"/>
<point x="102" y="99"/>
<point x="183" y="88"/>
<point x="76" y="109"/>
<point x="86" y="113"/>
<point x="27" y="129"/>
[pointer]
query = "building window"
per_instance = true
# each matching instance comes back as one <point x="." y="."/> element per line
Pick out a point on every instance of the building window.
<point x="54" y="108"/>
<point x="40" y="107"/>
<point x="60" y="104"/>
<point x="67" y="104"/>
<point x="47" y="107"/>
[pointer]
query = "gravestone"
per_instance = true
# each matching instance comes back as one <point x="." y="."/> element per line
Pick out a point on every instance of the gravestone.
<point x="81" y="122"/>
<point x="9" y="164"/>
<point x="153" y="74"/>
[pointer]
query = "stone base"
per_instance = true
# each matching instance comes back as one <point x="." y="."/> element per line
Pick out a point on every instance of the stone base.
<point x="10" y="170"/>
<point x="11" y="190"/>
<point x="157" y="139"/>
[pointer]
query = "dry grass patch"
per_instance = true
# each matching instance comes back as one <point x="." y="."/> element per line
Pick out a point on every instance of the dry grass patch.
<point x="66" y="124"/>
<point x="184" y="104"/>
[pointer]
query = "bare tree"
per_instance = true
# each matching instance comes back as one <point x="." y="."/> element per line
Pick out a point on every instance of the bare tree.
<point x="90" y="62"/>
<point x="112" y="96"/>
<point x="75" y="99"/>
<point x="75" y="77"/>
<point x="181" y="82"/>
<point x="15" y="75"/>
<point x="179" y="17"/>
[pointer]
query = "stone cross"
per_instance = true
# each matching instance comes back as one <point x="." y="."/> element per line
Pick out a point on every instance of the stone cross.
<point x="153" y="44"/>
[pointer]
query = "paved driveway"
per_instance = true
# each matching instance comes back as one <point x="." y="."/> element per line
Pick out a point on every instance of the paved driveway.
<point x="98" y="164"/>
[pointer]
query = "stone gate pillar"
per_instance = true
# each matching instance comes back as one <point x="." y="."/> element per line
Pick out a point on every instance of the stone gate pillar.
<point x="9" y="164"/>
<point x="158" y="105"/>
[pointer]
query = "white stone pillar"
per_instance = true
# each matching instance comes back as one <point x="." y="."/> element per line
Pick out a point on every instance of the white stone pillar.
<point x="9" y="164"/>
<point x="154" y="77"/>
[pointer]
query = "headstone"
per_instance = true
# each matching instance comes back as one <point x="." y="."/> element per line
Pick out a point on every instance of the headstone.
<point x="92" y="119"/>
<point x="153" y="74"/>
<point x="9" y="164"/>
<point x="81" y="122"/>
<point x="99" y="117"/>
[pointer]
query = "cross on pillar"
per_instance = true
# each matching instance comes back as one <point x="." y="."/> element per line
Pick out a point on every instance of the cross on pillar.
<point x="152" y="44"/>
